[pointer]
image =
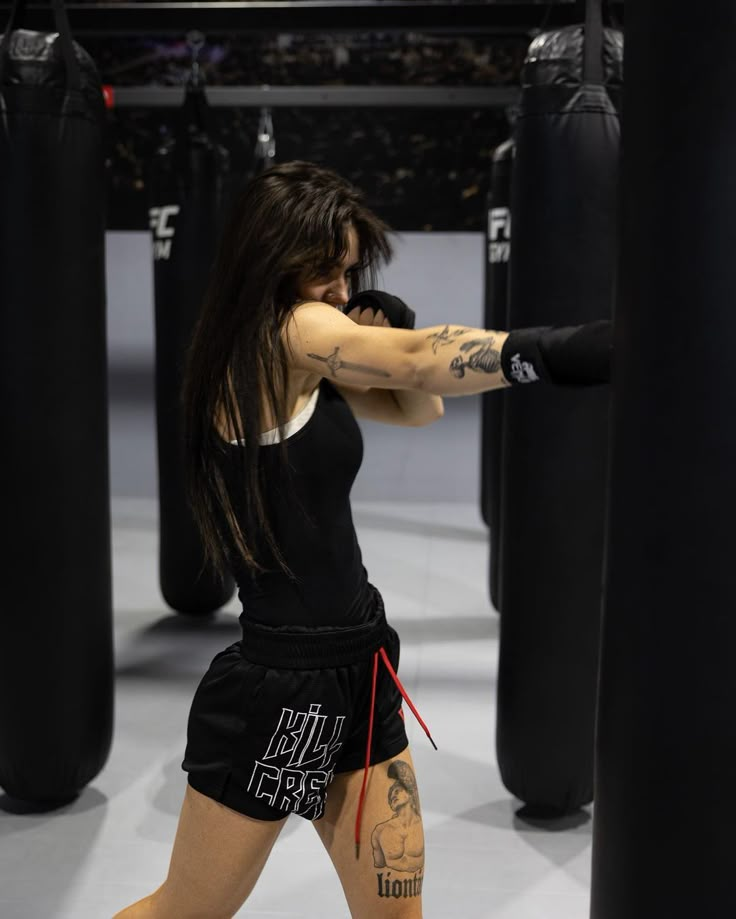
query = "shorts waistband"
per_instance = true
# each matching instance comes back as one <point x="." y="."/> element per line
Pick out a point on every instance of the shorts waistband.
<point x="305" y="648"/>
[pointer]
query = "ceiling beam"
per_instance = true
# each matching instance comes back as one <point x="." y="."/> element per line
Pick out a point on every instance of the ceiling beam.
<point x="297" y="16"/>
<point x="323" y="96"/>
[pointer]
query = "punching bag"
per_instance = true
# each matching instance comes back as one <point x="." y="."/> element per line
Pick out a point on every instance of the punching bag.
<point x="188" y="183"/>
<point x="56" y="651"/>
<point x="555" y="439"/>
<point x="497" y="261"/>
<point x="666" y="742"/>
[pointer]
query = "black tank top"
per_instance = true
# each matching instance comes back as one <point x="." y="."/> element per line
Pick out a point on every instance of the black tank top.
<point x="315" y="532"/>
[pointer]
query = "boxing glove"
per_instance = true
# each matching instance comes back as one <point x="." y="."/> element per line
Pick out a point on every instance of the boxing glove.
<point x="573" y="355"/>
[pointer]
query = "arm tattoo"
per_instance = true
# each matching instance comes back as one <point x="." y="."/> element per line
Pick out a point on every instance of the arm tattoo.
<point x="484" y="359"/>
<point x="446" y="337"/>
<point x="335" y="363"/>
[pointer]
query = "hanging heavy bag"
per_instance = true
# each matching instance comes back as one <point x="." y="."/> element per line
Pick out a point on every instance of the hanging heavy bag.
<point x="56" y="651"/>
<point x="555" y="439"/>
<point x="497" y="265"/>
<point x="666" y="734"/>
<point x="188" y="180"/>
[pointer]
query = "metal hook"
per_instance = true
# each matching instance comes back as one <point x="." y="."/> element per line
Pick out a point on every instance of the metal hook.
<point x="195" y="43"/>
<point x="265" y="150"/>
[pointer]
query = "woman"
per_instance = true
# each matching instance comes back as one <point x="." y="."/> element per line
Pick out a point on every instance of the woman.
<point x="304" y="714"/>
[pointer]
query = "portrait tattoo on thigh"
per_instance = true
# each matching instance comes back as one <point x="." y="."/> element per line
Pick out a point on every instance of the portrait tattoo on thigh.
<point x="398" y="843"/>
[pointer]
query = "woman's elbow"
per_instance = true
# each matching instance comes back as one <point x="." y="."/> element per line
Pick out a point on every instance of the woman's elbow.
<point x="433" y="412"/>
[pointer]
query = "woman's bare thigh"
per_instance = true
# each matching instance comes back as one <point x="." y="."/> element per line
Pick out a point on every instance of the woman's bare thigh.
<point x="217" y="858"/>
<point x="384" y="880"/>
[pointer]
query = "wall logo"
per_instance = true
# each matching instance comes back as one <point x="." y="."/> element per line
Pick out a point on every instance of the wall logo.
<point x="163" y="233"/>
<point x="499" y="235"/>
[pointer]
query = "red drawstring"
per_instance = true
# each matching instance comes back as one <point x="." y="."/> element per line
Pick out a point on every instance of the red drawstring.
<point x="405" y="697"/>
<point x="361" y="798"/>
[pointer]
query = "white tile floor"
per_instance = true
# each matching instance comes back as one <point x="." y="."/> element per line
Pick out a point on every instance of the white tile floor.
<point x="112" y="845"/>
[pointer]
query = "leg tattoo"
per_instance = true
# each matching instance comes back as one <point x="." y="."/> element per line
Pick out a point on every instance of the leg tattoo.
<point x="398" y="843"/>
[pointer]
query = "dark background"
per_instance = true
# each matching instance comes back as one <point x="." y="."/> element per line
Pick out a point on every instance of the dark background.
<point x="421" y="168"/>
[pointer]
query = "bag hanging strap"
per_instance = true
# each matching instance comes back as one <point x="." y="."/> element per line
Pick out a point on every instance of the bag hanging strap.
<point x="593" y="59"/>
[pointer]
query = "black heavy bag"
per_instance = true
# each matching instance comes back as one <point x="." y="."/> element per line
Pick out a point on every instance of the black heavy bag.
<point x="497" y="256"/>
<point x="666" y="742"/>
<point x="555" y="439"/>
<point x="188" y="181"/>
<point x="56" y="653"/>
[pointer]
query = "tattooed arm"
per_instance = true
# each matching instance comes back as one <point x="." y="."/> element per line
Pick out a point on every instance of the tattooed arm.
<point x="391" y="406"/>
<point x="469" y="349"/>
<point x="442" y="360"/>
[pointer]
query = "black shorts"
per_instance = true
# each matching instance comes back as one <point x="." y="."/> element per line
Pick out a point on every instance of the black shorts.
<point x="281" y="711"/>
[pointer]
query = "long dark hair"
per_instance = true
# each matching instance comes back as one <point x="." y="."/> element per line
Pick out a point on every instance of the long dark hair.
<point x="289" y="223"/>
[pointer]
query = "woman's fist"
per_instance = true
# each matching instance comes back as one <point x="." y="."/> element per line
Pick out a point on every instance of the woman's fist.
<point x="367" y="316"/>
<point x="376" y="307"/>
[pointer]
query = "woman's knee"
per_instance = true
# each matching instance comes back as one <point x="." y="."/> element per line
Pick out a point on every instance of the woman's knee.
<point x="141" y="909"/>
<point x="165" y="903"/>
<point x="406" y="909"/>
<point x="168" y="903"/>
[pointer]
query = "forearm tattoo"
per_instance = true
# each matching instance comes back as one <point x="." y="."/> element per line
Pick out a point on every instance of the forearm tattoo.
<point x="335" y="363"/>
<point x="479" y="355"/>
<point x="446" y="337"/>
<point x="398" y="842"/>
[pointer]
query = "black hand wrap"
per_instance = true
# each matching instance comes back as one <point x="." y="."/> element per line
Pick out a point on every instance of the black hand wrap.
<point x="574" y="356"/>
<point x="395" y="310"/>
